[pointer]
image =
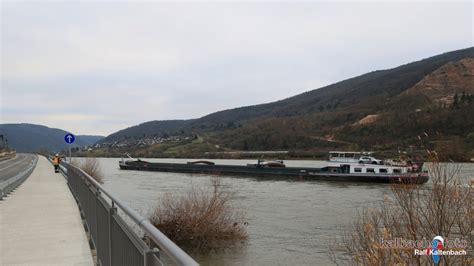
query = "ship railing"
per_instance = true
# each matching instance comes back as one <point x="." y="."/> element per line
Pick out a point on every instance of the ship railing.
<point x="113" y="239"/>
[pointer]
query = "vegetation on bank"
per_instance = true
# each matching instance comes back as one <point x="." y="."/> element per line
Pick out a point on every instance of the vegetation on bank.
<point x="443" y="207"/>
<point x="202" y="219"/>
<point x="92" y="167"/>
<point x="453" y="148"/>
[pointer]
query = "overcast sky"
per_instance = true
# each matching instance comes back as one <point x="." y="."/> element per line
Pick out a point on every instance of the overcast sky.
<point x="95" y="68"/>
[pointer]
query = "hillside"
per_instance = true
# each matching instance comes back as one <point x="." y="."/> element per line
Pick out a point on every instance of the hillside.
<point x="440" y="105"/>
<point x="384" y="110"/>
<point x="148" y="129"/>
<point x="32" y="138"/>
<point x="377" y="84"/>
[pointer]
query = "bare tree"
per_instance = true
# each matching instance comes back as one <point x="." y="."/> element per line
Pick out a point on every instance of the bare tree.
<point x="203" y="219"/>
<point x="92" y="167"/>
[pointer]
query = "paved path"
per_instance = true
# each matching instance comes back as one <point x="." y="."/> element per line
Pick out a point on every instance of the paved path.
<point x="10" y="167"/>
<point x="40" y="223"/>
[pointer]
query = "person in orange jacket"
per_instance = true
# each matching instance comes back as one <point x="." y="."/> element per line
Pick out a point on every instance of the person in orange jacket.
<point x="56" y="162"/>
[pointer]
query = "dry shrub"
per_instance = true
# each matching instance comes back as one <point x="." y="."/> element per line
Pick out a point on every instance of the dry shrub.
<point x="202" y="220"/>
<point x="413" y="212"/>
<point x="92" y="167"/>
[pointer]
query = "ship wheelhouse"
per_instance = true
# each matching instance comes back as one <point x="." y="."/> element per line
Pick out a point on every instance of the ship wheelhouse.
<point x="344" y="156"/>
<point x="376" y="169"/>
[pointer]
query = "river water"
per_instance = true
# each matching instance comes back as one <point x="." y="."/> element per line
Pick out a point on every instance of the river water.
<point x="290" y="222"/>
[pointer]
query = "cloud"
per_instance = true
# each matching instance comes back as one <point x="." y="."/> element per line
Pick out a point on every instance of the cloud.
<point x="119" y="64"/>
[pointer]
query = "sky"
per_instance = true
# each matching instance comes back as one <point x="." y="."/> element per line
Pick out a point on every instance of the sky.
<point x="94" y="68"/>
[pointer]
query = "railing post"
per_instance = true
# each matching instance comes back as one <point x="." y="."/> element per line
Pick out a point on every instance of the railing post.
<point x="96" y="242"/>
<point x="149" y="259"/>
<point x="112" y="210"/>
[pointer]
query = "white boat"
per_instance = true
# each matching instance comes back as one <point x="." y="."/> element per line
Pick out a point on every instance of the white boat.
<point x="362" y="163"/>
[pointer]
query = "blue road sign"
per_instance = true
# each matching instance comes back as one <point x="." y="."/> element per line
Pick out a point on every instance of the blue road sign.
<point x="69" y="138"/>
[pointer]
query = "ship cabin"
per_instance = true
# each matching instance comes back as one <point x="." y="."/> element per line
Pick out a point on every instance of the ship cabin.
<point x="353" y="157"/>
<point x="356" y="168"/>
<point x="344" y="156"/>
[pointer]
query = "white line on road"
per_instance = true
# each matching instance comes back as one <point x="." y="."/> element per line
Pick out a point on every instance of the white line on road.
<point x="10" y="159"/>
<point x="24" y="159"/>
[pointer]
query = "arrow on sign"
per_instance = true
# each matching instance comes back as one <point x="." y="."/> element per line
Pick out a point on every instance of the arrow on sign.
<point x="69" y="138"/>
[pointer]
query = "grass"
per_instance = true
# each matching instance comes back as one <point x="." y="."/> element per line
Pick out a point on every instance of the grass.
<point x="202" y="219"/>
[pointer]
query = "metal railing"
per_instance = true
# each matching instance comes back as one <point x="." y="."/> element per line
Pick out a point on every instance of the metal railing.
<point x="10" y="184"/>
<point x="114" y="240"/>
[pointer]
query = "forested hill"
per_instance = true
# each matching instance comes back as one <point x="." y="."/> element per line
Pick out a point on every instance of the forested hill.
<point x="33" y="138"/>
<point x="380" y="84"/>
<point x="385" y="109"/>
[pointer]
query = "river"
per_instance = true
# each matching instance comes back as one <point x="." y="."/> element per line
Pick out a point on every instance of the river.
<point x="289" y="222"/>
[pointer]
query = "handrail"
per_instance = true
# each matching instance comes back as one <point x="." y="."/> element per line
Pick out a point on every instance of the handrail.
<point x="163" y="242"/>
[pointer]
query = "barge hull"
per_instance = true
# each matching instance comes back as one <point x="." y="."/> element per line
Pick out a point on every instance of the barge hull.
<point x="277" y="172"/>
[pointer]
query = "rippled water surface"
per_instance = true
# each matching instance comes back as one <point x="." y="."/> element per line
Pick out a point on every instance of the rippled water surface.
<point x="291" y="222"/>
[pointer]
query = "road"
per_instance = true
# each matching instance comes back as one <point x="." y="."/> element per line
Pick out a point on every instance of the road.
<point x="11" y="167"/>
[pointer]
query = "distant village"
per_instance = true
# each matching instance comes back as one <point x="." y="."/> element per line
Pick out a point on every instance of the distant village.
<point x="139" y="142"/>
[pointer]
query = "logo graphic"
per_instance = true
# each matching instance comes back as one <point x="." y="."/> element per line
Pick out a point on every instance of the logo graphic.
<point x="436" y="247"/>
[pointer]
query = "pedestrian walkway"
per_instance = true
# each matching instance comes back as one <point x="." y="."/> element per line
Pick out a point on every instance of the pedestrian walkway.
<point x="40" y="223"/>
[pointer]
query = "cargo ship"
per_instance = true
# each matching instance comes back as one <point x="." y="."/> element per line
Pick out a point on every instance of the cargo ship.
<point x="337" y="169"/>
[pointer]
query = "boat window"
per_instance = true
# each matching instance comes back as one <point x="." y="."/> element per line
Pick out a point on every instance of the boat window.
<point x="397" y="171"/>
<point x="383" y="170"/>
<point x="357" y="170"/>
<point x="370" y="170"/>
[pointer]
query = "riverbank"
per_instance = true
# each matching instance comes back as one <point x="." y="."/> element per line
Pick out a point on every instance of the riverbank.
<point x="262" y="155"/>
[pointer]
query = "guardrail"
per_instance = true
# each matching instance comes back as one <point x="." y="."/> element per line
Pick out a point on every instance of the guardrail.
<point x="10" y="184"/>
<point x="115" y="242"/>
